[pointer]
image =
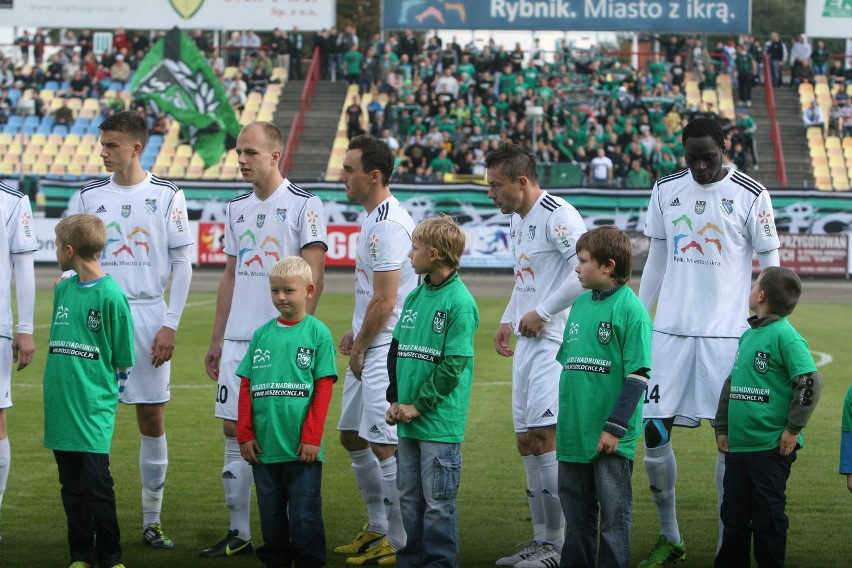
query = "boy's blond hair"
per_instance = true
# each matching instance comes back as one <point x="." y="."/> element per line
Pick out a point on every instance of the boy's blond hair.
<point x="292" y="267"/>
<point x="444" y="234"/>
<point x="85" y="233"/>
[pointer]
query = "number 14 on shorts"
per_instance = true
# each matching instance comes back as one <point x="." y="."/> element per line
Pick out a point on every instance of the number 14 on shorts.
<point x="654" y="394"/>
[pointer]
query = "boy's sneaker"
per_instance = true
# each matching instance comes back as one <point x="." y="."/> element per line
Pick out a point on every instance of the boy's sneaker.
<point x="228" y="546"/>
<point x="153" y="536"/>
<point x="545" y="557"/>
<point x="80" y="564"/>
<point x="527" y="550"/>
<point x="361" y="543"/>
<point x="381" y="554"/>
<point x="664" y="552"/>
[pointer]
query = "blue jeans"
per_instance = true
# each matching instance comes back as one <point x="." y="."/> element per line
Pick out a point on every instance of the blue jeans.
<point x="591" y="490"/>
<point x="428" y="477"/>
<point x="753" y="507"/>
<point x="290" y="506"/>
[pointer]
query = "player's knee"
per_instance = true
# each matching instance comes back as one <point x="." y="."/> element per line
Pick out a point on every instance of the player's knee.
<point x="352" y="442"/>
<point x="229" y="428"/>
<point x="657" y="433"/>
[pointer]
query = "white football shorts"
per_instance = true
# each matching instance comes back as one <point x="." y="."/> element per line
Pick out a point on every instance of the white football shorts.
<point x="535" y="383"/>
<point x="228" y="389"/>
<point x="365" y="403"/>
<point x="687" y="374"/>
<point x="147" y="384"/>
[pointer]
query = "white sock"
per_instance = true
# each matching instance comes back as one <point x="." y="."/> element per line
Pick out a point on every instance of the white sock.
<point x="368" y="476"/>
<point x="534" y="497"/>
<point x="720" y="492"/>
<point x="661" y="468"/>
<point x="153" y="463"/>
<point x="554" y="520"/>
<point x="5" y="461"/>
<point x="237" y="478"/>
<point x="396" y="531"/>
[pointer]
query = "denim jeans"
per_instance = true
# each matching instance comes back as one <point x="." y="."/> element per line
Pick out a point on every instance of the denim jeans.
<point x="428" y="477"/>
<point x="591" y="490"/>
<point x="753" y="506"/>
<point x="89" y="501"/>
<point x="290" y="506"/>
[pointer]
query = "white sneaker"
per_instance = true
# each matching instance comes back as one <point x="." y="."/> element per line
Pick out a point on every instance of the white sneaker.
<point x="545" y="557"/>
<point x="527" y="550"/>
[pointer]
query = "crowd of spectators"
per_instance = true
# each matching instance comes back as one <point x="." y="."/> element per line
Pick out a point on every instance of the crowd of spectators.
<point x="441" y="106"/>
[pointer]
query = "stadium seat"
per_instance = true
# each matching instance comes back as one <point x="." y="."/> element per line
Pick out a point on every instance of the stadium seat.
<point x="6" y="138"/>
<point x="247" y="116"/>
<point x="212" y="172"/>
<point x="819" y="161"/>
<point x="196" y="160"/>
<point x="834" y="151"/>
<point x="65" y="159"/>
<point x="836" y="160"/>
<point x="80" y="159"/>
<point x="94" y="170"/>
<point x="840" y="183"/>
<point x="265" y="115"/>
<point x="184" y="150"/>
<point x="194" y="171"/>
<point x="176" y="171"/>
<point x="7" y="169"/>
<point x="837" y="171"/>
<point x="75" y="170"/>
<point x="821" y="171"/>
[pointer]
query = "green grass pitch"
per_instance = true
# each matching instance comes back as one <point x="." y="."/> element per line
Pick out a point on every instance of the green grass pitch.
<point x="492" y="502"/>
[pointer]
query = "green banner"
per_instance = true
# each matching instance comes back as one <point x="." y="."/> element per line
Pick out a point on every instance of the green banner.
<point x="176" y="79"/>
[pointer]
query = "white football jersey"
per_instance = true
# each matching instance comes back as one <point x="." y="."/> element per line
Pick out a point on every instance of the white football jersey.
<point x="259" y="234"/>
<point x="17" y="235"/>
<point x="143" y="222"/>
<point x="383" y="246"/>
<point x="710" y="233"/>
<point x="544" y="256"/>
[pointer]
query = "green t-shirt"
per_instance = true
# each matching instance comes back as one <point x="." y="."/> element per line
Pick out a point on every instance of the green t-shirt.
<point x="743" y="61"/>
<point x="768" y="359"/>
<point x="352" y="62"/>
<point x="846" y="423"/>
<point x="638" y="178"/>
<point x="435" y="322"/>
<point x="507" y="83"/>
<point x="91" y="336"/>
<point x="441" y="165"/>
<point x="468" y="68"/>
<point x="657" y="69"/>
<point x="282" y="363"/>
<point x="603" y="341"/>
<point x="530" y="75"/>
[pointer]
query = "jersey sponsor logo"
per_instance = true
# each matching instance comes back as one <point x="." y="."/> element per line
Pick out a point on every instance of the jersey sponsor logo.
<point x="573" y="329"/>
<point x="749" y="394"/>
<point x="439" y="322"/>
<point x="588" y="365"/>
<point x="605" y="332"/>
<point x="304" y="357"/>
<point x="699" y="207"/>
<point x="150" y="206"/>
<point x="280" y="216"/>
<point x="178" y="218"/>
<point x="521" y="270"/>
<point x="125" y="211"/>
<point x="61" y="316"/>
<point x="101" y="209"/>
<point x="687" y="243"/>
<point x="408" y="319"/>
<point x="761" y="362"/>
<point x="313" y="217"/>
<point x="93" y="320"/>
<point x="26" y="218"/>
<point x="560" y="231"/>
<point x="531" y="233"/>
<point x="765" y="219"/>
<point x="675" y="202"/>
<point x="261" y="358"/>
<point x="727" y="206"/>
<point x="261" y="219"/>
<point x="374" y="247"/>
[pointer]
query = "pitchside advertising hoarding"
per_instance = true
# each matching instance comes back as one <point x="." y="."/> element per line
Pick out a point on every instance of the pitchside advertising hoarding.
<point x="664" y="16"/>
<point x="813" y="225"/>
<point x="258" y="15"/>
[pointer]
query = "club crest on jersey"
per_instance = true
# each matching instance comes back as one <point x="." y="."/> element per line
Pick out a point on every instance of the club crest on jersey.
<point x="304" y="356"/>
<point x="531" y="233"/>
<point x="280" y="215"/>
<point x="605" y="332"/>
<point x="761" y="362"/>
<point x="727" y="206"/>
<point x="125" y="211"/>
<point x="261" y="219"/>
<point x="699" y="207"/>
<point x="93" y="320"/>
<point x="439" y="322"/>
<point x="150" y="206"/>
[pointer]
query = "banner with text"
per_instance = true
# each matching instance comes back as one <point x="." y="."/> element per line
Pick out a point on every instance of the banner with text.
<point x="258" y="15"/>
<point x="828" y="18"/>
<point x="661" y="16"/>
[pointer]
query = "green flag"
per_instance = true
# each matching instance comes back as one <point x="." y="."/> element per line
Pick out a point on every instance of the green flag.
<point x="174" y="78"/>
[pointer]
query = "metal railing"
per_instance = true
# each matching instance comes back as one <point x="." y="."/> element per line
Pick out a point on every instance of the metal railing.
<point x="297" y="128"/>
<point x="774" y="130"/>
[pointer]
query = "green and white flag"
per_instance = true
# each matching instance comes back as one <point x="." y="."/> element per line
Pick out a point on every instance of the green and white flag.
<point x="174" y="78"/>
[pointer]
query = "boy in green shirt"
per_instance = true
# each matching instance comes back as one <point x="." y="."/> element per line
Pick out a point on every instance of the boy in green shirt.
<point x="430" y="364"/>
<point x="605" y="357"/>
<point x="846" y="440"/>
<point x="286" y="381"/>
<point x="765" y="403"/>
<point x="89" y="358"/>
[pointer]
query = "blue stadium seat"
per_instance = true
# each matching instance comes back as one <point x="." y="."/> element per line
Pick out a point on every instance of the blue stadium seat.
<point x="44" y="129"/>
<point x="115" y="86"/>
<point x="15" y="120"/>
<point x="65" y="85"/>
<point x="60" y="129"/>
<point x="93" y="129"/>
<point x="14" y="95"/>
<point x="28" y="130"/>
<point x="48" y="121"/>
<point x="52" y="85"/>
<point x="11" y="128"/>
<point x="31" y="121"/>
<point x="82" y="121"/>
<point x="78" y="129"/>
<point x="147" y="162"/>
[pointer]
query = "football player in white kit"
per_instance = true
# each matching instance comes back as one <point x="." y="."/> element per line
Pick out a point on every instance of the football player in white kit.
<point x="275" y="219"/>
<point x="383" y="278"/>
<point x="148" y="239"/>
<point x="704" y="223"/>
<point x="17" y="245"/>
<point x="543" y="231"/>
